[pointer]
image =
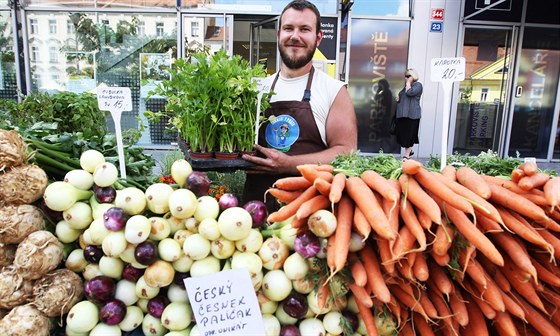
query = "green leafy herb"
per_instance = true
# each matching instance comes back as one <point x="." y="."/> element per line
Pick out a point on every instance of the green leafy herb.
<point x="354" y="164"/>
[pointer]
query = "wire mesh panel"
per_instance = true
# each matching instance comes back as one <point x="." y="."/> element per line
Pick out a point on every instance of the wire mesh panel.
<point x="160" y="132"/>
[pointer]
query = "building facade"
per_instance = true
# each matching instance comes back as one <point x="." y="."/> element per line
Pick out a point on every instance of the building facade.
<point x="508" y="101"/>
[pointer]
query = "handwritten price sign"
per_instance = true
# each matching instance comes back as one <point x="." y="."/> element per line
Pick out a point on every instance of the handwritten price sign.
<point x="116" y="100"/>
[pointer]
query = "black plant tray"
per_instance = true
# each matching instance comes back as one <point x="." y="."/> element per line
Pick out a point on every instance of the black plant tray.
<point x="213" y="164"/>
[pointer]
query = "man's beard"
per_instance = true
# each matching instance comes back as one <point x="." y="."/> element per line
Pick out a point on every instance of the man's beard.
<point x="296" y="62"/>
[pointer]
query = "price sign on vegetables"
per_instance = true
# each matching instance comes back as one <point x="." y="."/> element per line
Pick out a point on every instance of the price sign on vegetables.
<point x="225" y="303"/>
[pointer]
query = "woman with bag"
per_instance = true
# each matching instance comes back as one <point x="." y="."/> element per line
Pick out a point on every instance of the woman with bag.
<point x="409" y="113"/>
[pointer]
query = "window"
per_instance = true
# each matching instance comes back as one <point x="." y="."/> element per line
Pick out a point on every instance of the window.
<point x="34" y="54"/>
<point x="195" y="29"/>
<point x="33" y="26"/>
<point x="70" y="29"/>
<point x="55" y="77"/>
<point x="217" y="31"/>
<point x="52" y="26"/>
<point x="141" y="29"/>
<point x="159" y="29"/>
<point x="53" y="54"/>
<point x="483" y="94"/>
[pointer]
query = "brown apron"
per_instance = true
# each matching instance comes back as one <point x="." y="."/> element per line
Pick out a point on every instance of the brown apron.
<point x="294" y="131"/>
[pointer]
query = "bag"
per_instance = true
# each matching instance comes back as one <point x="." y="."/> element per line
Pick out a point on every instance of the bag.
<point x="393" y="126"/>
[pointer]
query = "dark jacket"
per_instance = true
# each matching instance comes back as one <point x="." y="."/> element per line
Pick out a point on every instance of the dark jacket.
<point x="409" y="102"/>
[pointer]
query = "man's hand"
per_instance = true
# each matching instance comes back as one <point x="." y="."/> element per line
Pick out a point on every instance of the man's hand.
<point x="273" y="162"/>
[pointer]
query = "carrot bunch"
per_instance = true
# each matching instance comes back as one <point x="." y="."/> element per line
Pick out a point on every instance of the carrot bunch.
<point x="451" y="252"/>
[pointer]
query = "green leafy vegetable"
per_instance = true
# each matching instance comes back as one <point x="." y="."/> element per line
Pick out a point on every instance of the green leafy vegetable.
<point x="354" y="164"/>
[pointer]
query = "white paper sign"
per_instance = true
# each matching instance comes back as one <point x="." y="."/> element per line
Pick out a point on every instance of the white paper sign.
<point x="263" y="86"/>
<point x="116" y="100"/>
<point x="447" y="71"/>
<point x="225" y="303"/>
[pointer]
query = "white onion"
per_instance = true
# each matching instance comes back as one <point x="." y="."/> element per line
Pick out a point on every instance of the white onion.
<point x="176" y="293"/>
<point x="251" y="243"/>
<point x="99" y="209"/>
<point x="267" y="305"/>
<point x="248" y="260"/>
<point x="313" y="302"/>
<point x="257" y="280"/>
<point x="177" y="316"/>
<point x="235" y="223"/>
<point x="283" y="317"/>
<point x="83" y="316"/>
<point x="276" y="285"/>
<point x="322" y="223"/>
<point x="79" y="178"/>
<point x="357" y="242"/>
<point x="176" y="224"/>
<point x="65" y="233"/>
<point x="157" y="197"/>
<point x="332" y="322"/>
<point x="209" y="229"/>
<point x="131" y="200"/>
<point x="181" y="235"/>
<point x="271" y="325"/>
<point x="143" y="291"/>
<point x="90" y="158"/>
<point x="182" y="203"/>
<point x="128" y="254"/>
<point x="76" y="262"/>
<point x="160" y="228"/>
<point x="273" y="253"/>
<point x="207" y="207"/>
<point x="222" y="248"/>
<point x="312" y="327"/>
<point x="208" y="265"/>
<point x="91" y="271"/>
<point x="143" y="304"/>
<point x="102" y="329"/>
<point x="85" y="238"/>
<point x="114" y="244"/>
<point x="105" y="174"/>
<point x="60" y="195"/>
<point x="159" y="274"/>
<point x="183" y="264"/>
<point x="152" y="326"/>
<point x="295" y="266"/>
<point x="303" y="286"/>
<point x="132" y="319"/>
<point x="169" y="249"/>
<point x="111" y="267"/>
<point x="137" y="229"/>
<point x="180" y="170"/>
<point x="78" y="216"/>
<point x="126" y="292"/>
<point x="191" y="224"/>
<point x="98" y="231"/>
<point x="196" y="246"/>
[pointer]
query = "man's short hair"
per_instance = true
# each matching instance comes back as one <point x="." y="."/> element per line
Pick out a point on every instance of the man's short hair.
<point x="300" y="5"/>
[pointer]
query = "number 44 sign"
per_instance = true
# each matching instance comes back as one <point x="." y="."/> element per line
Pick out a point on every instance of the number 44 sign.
<point x="447" y="71"/>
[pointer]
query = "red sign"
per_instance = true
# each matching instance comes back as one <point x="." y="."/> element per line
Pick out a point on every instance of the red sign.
<point x="437" y="14"/>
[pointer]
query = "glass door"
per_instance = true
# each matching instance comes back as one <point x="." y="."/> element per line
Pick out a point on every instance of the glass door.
<point x="210" y="32"/>
<point x="264" y="44"/>
<point x="483" y="96"/>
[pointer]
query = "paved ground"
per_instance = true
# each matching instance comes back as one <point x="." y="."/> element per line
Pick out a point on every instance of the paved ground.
<point x="159" y="154"/>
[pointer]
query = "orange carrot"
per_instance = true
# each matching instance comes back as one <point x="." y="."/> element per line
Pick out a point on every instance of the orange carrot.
<point x="458" y="307"/>
<point x="434" y="184"/>
<point x="420" y="267"/>
<point x="357" y="269"/>
<point x="516" y="252"/>
<point x="539" y="200"/>
<point x="515" y="202"/>
<point x="442" y="260"/>
<point x="442" y="308"/>
<point x="487" y="224"/>
<point x="414" y="193"/>
<point x="291" y="208"/>
<point x="403" y="243"/>
<point x="522" y="286"/>
<point x="439" y="279"/>
<point x="361" y="225"/>
<point x="284" y="196"/>
<point x="485" y="307"/>
<point x="495" y="272"/>
<point x="365" y="199"/>
<point x="473" y="235"/>
<point x="386" y="256"/>
<point x="310" y="172"/>
<point x="330" y="254"/>
<point x="380" y="184"/>
<point x="367" y="316"/>
<point x="374" y="275"/>
<point x="520" y="226"/>
<point x="477" y="321"/>
<point x="337" y="186"/>
<point x="443" y="238"/>
<point x="411" y="166"/>
<point x="409" y="218"/>
<point x="323" y="294"/>
<point x="421" y="326"/>
<point x="313" y="204"/>
<point x="323" y="186"/>
<point x="553" y="240"/>
<point x="512" y="306"/>
<point x="408" y="300"/>
<point x="344" y="215"/>
<point x="536" y="319"/>
<point x="533" y="181"/>
<point x="450" y="172"/>
<point x="504" y="324"/>
<point x="504" y="183"/>
<point x="391" y="209"/>
<point x="292" y="183"/>
<point x="473" y="181"/>
<point x="491" y="294"/>
<point x="552" y="191"/>
<point x="529" y="167"/>
<point x="424" y="220"/>
<point x="361" y="294"/>
<point x="517" y="174"/>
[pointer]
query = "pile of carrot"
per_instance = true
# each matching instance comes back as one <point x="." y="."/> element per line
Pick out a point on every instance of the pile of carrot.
<point x="451" y="252"/>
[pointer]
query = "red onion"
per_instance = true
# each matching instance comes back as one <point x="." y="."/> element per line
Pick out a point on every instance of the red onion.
<point x="198" y="183"/>
<point x="258" y="212"/>
<point x="100" y="289"/>
<point x="227" y="200"/>
<point x="113" y="312"/>
<point x="307" y="244"/>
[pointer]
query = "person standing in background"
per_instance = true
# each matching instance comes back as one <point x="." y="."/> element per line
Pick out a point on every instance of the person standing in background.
<point x="409" y="112"/>
<point x="317" y="107"/>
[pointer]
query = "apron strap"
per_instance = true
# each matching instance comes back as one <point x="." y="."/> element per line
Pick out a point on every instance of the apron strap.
<point x="307" y="92"/>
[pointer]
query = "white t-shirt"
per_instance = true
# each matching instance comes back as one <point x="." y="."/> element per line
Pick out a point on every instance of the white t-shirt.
<point x="324" y="89"/>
